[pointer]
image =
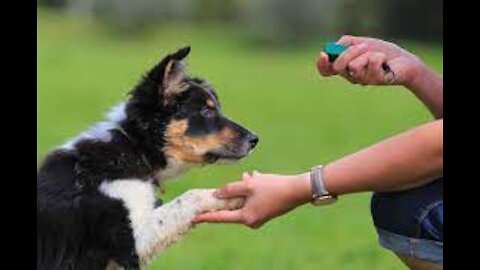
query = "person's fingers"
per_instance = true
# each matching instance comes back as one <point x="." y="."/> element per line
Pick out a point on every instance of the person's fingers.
<point x="351" y="53"/>
<point x="232" y="190"/>
<point x="358" y="66"/>
<point x="324" y="66"/>
<point x="375" y="73"/>
<point x="246" y="176"/>
<point x="350" y="40"/>
<point x="346" y="40"/>
<point x="220" y="217"/>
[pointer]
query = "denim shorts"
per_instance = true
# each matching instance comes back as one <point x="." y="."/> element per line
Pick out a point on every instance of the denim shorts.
<point x="410" y="223"/>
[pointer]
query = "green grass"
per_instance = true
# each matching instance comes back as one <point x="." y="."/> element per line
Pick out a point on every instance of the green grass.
<point x="301" y="118"/>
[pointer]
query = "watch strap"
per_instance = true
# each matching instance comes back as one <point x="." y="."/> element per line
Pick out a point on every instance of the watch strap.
<point x="318" y="186"/>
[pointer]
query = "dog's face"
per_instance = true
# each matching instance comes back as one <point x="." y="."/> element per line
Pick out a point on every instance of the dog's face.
<point x="199" y="132"/>
<point x="187" y="120"/>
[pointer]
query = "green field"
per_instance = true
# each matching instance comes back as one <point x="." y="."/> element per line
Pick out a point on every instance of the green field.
<point x="302" y="120"/>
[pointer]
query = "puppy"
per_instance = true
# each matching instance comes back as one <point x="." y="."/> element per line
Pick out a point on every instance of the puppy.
<point x="96" y="195"/>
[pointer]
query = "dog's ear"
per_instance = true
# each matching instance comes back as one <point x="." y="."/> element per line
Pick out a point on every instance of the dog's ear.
<point x="170" y="73"/>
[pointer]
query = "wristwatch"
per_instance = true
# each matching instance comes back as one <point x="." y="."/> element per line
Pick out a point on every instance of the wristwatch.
<point x="320" y="196"/>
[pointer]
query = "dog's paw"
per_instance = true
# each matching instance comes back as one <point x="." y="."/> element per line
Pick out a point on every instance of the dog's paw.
<point x="232" y="204"/>
<point x="206" y="201"/>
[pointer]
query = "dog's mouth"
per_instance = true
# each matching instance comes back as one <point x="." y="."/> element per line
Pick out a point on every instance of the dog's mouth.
<point x="231" y="154"/>
<point x="216" y="157"/>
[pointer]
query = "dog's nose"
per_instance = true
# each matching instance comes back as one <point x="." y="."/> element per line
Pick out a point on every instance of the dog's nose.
<point x="253" y="140"/>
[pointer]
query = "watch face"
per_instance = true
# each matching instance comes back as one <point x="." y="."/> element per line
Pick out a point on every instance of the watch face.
<point x="324" y="200"/>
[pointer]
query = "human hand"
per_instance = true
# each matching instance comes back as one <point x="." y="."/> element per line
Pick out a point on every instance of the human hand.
<point x="362" y="63"/>
<point x="266" y="196"/>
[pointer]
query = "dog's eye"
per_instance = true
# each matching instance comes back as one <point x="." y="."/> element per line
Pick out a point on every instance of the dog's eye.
<point x="207" y="112"/>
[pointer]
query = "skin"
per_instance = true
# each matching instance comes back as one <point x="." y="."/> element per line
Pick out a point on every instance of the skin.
<point x="407" y="160"/>
<point x="361" y="64"/>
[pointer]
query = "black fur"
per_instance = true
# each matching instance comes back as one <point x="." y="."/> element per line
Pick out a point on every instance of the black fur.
<point x="78" y="227"/>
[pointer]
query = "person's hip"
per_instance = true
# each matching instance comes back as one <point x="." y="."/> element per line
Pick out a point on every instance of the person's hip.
<point x="410" y="223"/>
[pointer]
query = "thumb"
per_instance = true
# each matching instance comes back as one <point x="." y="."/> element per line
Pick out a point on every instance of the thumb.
<point x="232" y="190"/>
<point x="324" y="66"/>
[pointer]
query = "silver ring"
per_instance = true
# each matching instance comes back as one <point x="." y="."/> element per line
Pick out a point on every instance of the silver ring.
<point x="349" y="73"/>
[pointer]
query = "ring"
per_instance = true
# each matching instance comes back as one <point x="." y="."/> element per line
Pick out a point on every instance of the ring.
<point x="390" y="77"/>
<point x="350" y="73"/>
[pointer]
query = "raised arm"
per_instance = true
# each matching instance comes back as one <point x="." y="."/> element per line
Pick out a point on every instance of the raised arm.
<point x="362" y="64"/>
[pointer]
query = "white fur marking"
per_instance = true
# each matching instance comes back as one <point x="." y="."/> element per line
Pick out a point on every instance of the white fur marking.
<point x="101" y="130"/>
<point x="139" y="198"/>
<point x="117" y="113"/>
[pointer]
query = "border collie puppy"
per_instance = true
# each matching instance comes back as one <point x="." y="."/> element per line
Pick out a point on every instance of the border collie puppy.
<point x="96" y="195"/>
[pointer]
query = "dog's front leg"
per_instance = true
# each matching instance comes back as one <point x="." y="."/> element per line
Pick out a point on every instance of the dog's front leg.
<point x="174" y="219"/>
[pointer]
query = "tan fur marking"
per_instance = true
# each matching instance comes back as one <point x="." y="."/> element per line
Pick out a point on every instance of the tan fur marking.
<point x="191" y="149"/>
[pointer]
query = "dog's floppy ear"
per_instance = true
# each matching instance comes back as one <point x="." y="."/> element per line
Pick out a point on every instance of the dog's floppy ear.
<point x="170" y="73"/>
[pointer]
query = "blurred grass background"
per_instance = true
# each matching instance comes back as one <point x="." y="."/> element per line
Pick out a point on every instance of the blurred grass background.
<point x="302" y="120"/>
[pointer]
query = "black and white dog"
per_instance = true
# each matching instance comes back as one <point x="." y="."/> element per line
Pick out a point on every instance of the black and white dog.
<point x="96" y="195"/>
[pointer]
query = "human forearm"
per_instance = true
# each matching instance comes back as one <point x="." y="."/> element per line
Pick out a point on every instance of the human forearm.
<point x="405" y="161"/>
<point x="427" y="85"/>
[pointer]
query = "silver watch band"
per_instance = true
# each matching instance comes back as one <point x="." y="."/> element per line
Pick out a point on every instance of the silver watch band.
<point x="318" y="186"/>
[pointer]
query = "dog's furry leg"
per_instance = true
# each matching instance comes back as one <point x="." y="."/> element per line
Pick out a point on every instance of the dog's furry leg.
<point x="174" y="219"/>
<point x="155" y="229"/>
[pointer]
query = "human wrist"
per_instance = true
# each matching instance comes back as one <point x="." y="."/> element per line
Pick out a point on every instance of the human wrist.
<point x="302" y="188"/>
<point x="420" y="74"/>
